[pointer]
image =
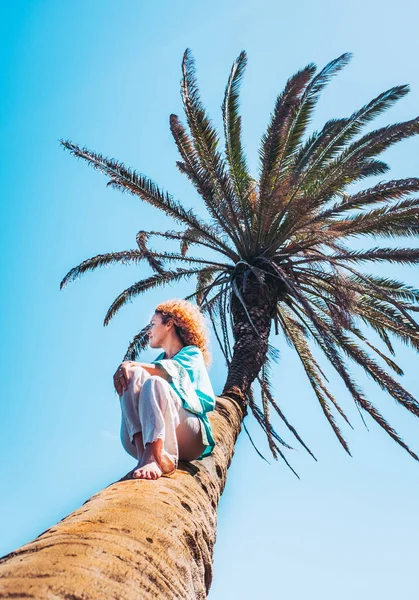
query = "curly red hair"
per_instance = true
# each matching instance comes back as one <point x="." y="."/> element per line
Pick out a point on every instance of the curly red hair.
<point x="190" y="324"/>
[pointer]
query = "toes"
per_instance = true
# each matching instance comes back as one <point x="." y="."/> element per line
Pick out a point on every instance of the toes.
<point x="140" y="473"/>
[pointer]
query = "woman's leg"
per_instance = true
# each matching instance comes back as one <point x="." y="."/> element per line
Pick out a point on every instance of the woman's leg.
<point x="155" y="428"/>
<point x="169" y="431"/>
<point x="189" y="436"/>
<point x="128" y="446"/>
<point x="158" y="411"/>
<point x="130" y="433"/>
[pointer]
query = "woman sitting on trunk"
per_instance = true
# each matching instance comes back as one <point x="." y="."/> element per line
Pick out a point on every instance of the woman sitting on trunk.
<point x="164" y="404"/>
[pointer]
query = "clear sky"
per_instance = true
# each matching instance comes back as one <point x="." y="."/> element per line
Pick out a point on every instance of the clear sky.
<point x="106" y="75"/>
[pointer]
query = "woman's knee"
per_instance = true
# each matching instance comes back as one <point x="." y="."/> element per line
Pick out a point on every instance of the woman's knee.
<point x="137" y="376"/>
<point x="154" y="380"/>
<point x="137" y="370"/>
<point x="157" y="389"/>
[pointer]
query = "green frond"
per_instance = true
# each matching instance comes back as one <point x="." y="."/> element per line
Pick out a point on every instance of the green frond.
<point x="380" y="293"/>
<point x="301" y="206"/>
<point x="274" y="142"/>
<point x="369" y="146"/>
<point x="395" y="288"/>
<point x="155" y="263"/>
<point x="144" y="285"/>
<point x="126" y="179"/>
<point x="368" y="407"/>
<point x="267" y="428"/>
<point x="301" y="115"/>
<point x="102" y="260"/>
<point x="265" y="416"/>
<point x="382" y="222"/>
<point x="205" y="277"/>
<point x="386" y="358"/>
<point x="201" y="178"/>
<point x="320" y="331"/>
<point x="264" y="382"/>
<point x="378" y="253"/>
<point x="217" y="305"/>
<point x="235" y="156"/>
<point x="312" y="371"/>
<point x="408" y="256"/>
<point x="206" y="289"/>
<point x="250" y="400"/>
<point x="322" y="147"/>
<point x="309" y="100"/>
<point x="193" y="236"/>
<point x="385" y="381"/>
<point x="205" y="140"/>
<point x="382" y="192"/>
<point x="378" y="418"/>
<point x="138" y="344"/>
<point x="382" y="318"/>
<point x="349" y="325"/>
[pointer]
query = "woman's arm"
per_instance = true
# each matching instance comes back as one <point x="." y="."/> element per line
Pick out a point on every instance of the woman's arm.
<point x="121" y="376"/>
<point x="154" y="370"/>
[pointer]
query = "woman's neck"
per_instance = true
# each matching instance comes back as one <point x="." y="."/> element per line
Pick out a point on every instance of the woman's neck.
<point x="172" y="348"/>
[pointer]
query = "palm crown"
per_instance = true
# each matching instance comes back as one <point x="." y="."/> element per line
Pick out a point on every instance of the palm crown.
<point x="290" y="224"/>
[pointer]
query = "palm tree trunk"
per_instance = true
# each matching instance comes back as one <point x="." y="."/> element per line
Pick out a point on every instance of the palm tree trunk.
<point x="251" y="346"/>
<point x="140" y="539"/>
<point x="135" y="539"/>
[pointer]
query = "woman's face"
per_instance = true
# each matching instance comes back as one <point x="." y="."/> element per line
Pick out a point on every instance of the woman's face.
<point x="158" y="331"/>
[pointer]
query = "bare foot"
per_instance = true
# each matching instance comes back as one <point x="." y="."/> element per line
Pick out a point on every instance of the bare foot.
<point x="151" y="470"/>
<point x="153" y="464"/>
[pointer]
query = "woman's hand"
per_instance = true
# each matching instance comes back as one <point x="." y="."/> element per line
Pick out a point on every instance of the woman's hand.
<point x="121" y="377"/>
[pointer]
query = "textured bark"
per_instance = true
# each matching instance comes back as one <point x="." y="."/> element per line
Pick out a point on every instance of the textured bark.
<point x="136" y="539"/>
<point x="250" y="347"/>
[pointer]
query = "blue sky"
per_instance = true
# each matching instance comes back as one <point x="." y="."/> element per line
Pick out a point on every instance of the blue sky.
<point x="107" y="76"/>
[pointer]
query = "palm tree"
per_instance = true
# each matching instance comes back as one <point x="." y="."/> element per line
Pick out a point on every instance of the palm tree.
<point x="280" y="256"/>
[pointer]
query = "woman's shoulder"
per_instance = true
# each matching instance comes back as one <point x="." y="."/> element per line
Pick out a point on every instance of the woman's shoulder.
<point x="191" y="350"/>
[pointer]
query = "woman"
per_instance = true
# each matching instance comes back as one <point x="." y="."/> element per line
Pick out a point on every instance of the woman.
<point x="164" y="404"/>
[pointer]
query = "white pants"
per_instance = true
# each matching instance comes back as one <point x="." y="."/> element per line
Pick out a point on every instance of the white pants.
<point x="150" y="405"/>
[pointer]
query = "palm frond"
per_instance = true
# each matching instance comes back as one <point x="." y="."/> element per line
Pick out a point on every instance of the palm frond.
<point x="126" y="179"/>
<point x="312" y="370"/>
<point x="267" y="428"/>
<point x="385" y="381"/>
<point x="264" y="382"/>
<point x="124" y="257"/>
<point x="286" y="236"/>
<point x="187" y="238"/>
<point x="147" y="284"/>
<point x="382" y="192"/>
<point x="155" y="263"/>
<point x="378" y="253"/>
<point x="206" y="141"/>
<point x="320" y="148"/>
<point x="235" y="156"/>
<point x="199" y="176"/>
<point x="138" y="344"/>
<point x="283" y="119"/>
